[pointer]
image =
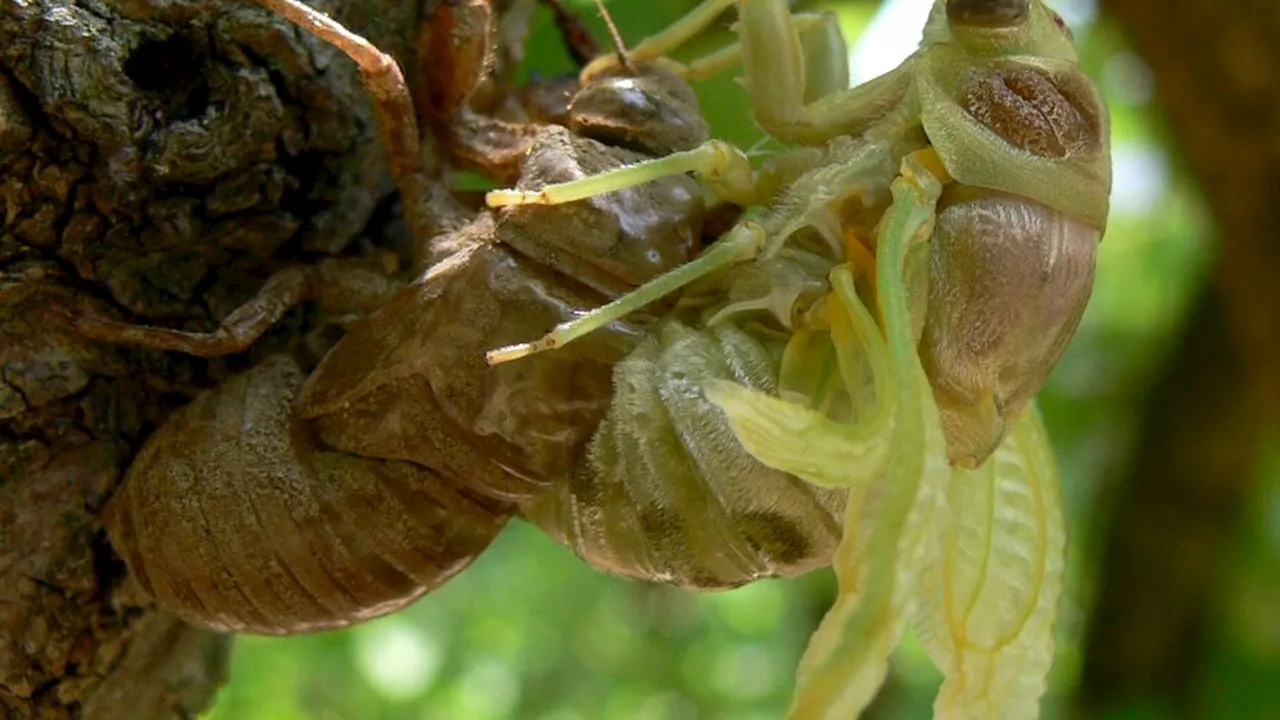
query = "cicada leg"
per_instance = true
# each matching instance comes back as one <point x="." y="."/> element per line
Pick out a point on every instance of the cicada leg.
<point x="392" y="104"/>
<point x="826" y="57"/>
<point x="804" y="442"/>
<point x="877" y="567"/>
<point x="741" y="243"/>
<point x="833" y="453"/>
<point x="674" y="35"/>
<point x="235" y="334"/>
<point x="339" y="286"/>
<point x="796" y="68"/>
<point x="725" y="168"/>
<point x="796" y="73"/>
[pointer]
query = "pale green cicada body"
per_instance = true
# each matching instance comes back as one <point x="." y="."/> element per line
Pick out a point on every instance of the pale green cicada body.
<point x="880" y="327"/>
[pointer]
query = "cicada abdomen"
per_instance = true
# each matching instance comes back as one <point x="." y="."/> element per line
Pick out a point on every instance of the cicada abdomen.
<point x="232" y="518"/>
<point x="665" y="492"/>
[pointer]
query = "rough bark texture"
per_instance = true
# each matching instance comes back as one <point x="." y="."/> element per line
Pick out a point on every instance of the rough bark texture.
<point x="158" y="160"/>
<point x="1215" y="66"/>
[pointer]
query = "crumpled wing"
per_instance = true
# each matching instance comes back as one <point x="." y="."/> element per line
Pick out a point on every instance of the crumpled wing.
<point x="987" y="607"/>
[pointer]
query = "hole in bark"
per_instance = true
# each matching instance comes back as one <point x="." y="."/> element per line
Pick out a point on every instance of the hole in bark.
<point x="173" y="69"/>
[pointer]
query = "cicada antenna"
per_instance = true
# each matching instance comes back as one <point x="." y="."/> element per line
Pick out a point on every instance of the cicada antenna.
<point x="623" y="57"/>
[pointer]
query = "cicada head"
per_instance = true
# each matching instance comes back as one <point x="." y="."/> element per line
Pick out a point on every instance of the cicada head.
<point x="988" y="13"/>
<point x="1001" y="27"/>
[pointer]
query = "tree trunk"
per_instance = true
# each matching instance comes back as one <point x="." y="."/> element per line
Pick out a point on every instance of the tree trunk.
<point x="158" y="160"/>
<point x="1215" y="66"/>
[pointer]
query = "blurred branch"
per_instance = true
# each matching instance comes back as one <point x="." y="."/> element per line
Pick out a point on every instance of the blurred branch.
<point x="1172" y="520"/>
<point x="1214" y="65"/>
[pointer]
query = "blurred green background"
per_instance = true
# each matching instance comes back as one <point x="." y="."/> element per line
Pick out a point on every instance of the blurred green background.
<point x="531" y="632"/>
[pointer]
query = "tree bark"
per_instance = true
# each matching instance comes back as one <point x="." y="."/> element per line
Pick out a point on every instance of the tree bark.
<point x="1215" y="66"/>
<point x="158" y="160"/>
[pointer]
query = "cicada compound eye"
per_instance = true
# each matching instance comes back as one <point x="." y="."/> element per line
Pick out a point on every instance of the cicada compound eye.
<point x="988" y="13"/>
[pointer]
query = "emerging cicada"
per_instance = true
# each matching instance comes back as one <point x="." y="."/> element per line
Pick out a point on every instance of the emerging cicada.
<point x="882" y="325"/>
<point x="279" y="502"/>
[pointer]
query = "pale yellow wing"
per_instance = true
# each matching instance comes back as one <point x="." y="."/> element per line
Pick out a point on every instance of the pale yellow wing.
<point x="987" y="607"/>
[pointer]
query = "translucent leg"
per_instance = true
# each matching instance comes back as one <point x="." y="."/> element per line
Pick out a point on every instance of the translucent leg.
<point x="680" y="31"/>
<point x="848" y="657"/>
<point x="799" y="91"/>
<point x="790" y="60"/>
<point x="713" y="64"/>
<point x="742" y="243"/>
<point x="793" y="438"/>
<point x="894" y="464"/>
<point x="725" y="168"/>
<point x="826" y="55"/>
<point x="830" y="68"/>
<point x="392" y="103"/>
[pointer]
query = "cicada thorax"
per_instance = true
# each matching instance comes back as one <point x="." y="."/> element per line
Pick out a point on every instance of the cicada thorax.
<point x="1016" y="233"/>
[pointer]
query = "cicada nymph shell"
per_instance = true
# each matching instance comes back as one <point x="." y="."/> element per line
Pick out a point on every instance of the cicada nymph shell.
<point x="410" y="381"/>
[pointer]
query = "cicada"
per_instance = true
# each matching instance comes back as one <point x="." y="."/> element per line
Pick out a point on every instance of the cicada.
<point x="917" y="263"/>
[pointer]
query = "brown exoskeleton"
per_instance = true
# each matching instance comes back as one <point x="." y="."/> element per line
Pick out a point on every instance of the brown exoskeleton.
<point x="250" y="511"/>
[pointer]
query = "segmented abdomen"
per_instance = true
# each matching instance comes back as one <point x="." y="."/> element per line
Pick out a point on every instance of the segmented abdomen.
<point x="665" y="492"/>
<point x="233" y="520"/>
